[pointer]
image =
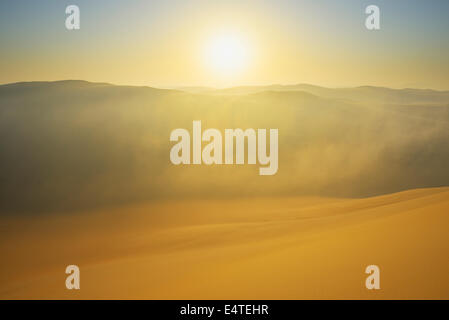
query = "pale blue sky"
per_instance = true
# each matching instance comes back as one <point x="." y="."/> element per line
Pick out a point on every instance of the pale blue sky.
<point x="414" y="36"/>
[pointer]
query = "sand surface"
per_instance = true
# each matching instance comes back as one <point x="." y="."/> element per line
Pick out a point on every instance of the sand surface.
<point x="270" y="248"/>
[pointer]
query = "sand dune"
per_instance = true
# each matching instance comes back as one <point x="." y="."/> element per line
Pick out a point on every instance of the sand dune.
<point x="270" y="248"/>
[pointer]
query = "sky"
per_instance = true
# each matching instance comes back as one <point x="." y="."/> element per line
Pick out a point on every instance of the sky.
<point x="176" y="43"/>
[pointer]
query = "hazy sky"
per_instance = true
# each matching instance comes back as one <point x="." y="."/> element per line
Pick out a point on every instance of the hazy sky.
<point x="168" y="43"/>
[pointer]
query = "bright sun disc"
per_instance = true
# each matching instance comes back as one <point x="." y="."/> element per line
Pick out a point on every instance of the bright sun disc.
<point x="227" y="54"/>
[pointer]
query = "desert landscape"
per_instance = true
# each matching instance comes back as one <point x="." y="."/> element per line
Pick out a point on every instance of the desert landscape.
<point x="86" y="180"/>
<point x="269" y="248"/>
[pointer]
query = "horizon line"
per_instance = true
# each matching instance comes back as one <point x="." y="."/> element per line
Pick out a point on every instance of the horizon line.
<point x="206" y="87"/>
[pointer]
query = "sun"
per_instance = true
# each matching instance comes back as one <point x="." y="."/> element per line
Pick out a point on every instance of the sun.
<point x="227" y="54"/>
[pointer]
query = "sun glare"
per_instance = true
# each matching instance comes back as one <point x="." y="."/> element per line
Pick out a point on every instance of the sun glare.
<point x="227" y="54"/>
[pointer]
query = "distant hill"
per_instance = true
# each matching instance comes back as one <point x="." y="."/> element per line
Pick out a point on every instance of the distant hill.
<point x="360" y="94"/>
<point x="70" y="145"/>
